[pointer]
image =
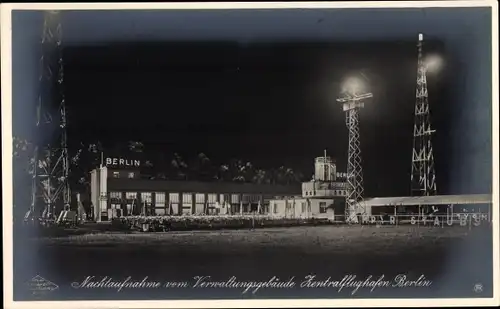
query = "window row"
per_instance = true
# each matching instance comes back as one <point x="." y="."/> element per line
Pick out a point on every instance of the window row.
<point x="130" y="175"/>
<point x="291" y="207"/>
<point x="335" y="192"/>
<point x="186" y="198"/>
<point x="115" y="210"/>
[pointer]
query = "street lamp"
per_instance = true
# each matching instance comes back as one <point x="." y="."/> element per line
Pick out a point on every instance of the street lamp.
<point x="352" y="100"/>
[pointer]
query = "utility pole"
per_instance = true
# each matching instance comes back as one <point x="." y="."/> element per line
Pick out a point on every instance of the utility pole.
<point x="50" y="184"/>
<point x="423" y="174"/>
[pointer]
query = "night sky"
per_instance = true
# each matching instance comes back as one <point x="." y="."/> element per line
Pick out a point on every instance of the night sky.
<point x="279" y="107"/>
<point x="271" y="104"/>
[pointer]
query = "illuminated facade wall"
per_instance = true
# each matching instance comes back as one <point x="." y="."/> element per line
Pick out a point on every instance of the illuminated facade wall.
<point x="100" y="200"/>
<point x="324" y="189"/>
<point x="299" y="207"/>
<point x="115" y="194"/>
<point x="324" y="169"/>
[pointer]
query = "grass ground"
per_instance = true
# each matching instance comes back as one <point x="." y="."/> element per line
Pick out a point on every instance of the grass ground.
<point x="327" y="238"/>
<point x="454" y="258"/>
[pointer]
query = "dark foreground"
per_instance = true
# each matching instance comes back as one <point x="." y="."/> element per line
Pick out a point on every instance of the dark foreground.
<point x="457" y="260"/>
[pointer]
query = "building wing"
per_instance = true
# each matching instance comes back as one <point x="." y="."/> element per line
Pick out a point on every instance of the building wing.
<point x="429" y="200"/>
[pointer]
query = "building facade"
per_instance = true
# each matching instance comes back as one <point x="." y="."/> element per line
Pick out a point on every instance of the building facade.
<point x="322" y="197"/>
<point x="120" y="191"/>
<point x="117" y="189"/>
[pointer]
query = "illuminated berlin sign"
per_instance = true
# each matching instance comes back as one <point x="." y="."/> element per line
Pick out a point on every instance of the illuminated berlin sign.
<point x="341" y="175"/>
<point x="122" y="162"/>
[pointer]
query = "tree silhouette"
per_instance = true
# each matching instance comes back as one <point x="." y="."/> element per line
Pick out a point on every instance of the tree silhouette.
<point x="79" y="176"/>
<point x="200" y="168"/>
<point x="236" y="170"/>
<point x="87" y="158"/>
<point x="178" y="168"/>
<point x="248" y="172"/>
<point x="260" y="177"/>
<point x="136" y="146"/>
<point x="22" y="151"/>
<point x="223" y="173"/>
<point x="205" y="167"/>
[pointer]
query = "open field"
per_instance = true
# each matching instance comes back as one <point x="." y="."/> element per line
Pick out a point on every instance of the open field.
<point x="454" y="258"/>
<point x="328" y="239"/>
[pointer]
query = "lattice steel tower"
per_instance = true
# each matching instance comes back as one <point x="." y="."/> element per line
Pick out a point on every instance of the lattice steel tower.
<point x="423" y="175"/>
<point x="351" y="104"/>
<point x="50" y="185"/>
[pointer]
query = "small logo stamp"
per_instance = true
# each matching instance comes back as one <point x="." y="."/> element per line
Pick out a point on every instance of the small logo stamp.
<point x="478" y="288"/>
<point x="41" y="286"/>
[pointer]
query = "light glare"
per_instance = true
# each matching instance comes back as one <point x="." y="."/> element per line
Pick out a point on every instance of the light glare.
<point x="434" y="63"/>
<point x="353" y="85"/>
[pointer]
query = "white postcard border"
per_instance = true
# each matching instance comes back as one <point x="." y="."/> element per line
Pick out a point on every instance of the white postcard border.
<point x="7" y="192"/>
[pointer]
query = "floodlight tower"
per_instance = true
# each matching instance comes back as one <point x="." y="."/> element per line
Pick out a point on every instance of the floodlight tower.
<point x="423" y="174"/>
<point x="50" y="162"/>
<point x="351" y="104"/>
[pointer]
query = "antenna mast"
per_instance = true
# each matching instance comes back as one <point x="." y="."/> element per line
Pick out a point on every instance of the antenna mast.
<point x="50" y="184"/>
<point x="423" y="175"/>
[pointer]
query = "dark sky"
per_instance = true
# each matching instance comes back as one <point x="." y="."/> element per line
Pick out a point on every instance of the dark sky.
<point x="281" y="102"/>
<point x="271" y="104"/>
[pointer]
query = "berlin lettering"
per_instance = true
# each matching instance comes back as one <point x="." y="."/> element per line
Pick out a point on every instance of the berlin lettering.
<point x="342" y="175"/>
<point x="463" y="219"/>
<point x="122" y="162"/>
<point x="354" y="283"/>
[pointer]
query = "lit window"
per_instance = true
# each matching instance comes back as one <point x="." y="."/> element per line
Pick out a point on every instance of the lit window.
<point x="131" y="175"/>
<point x="322" y="207"/>
<point x="116" y="174"/>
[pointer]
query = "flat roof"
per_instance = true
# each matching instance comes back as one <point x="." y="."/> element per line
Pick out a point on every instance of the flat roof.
<point x="429" y="200"/>
<point x="146" y="185"/>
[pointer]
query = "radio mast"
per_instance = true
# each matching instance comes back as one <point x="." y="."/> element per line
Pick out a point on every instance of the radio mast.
<point x="50" y="184"/>
<point x="423" y="175"/>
